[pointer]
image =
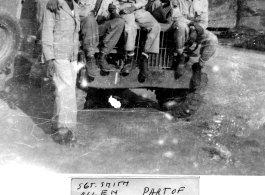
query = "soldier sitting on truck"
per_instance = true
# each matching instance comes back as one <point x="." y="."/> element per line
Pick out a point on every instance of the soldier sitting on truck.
<point x="189" y="20"/>
<point x="133" y="12"/>
<point x="99" y="20"/>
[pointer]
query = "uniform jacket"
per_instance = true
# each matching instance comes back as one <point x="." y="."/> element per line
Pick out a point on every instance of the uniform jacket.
<point x="40" y="7"/>
<point x="60" y="39"/>
<point x="196" y="10"/>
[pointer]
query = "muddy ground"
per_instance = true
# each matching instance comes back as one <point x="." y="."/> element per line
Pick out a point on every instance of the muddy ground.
<point x="225" y="137"/>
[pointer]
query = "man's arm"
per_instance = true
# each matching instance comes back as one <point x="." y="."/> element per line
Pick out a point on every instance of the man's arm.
<point x="161" y="10"/>
<point x="177" y="12"/>
<point x="140" y="3"/>
<point x="47" y="34"/>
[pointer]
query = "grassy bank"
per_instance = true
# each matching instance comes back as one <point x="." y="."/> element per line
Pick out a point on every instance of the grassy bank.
<point x="254" y="42"/>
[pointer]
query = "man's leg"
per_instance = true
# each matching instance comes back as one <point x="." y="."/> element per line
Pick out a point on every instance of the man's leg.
<point x="209" y="44"/>
<point x="110" y="32"/>
<point x="90" y="39"/>
<point x="181" y="33"/>
<point x="148" y="22"/>
<point x="130" y="31"/>
<point x="130" y="38"/>
<point x="65" y="112"/>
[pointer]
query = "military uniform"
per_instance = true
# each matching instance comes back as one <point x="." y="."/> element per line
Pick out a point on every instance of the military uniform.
<point x="189" y="20"/>
<point x="184" y="12"/>
<point x="40" y="8"/>
<point x="60" y="42"/>
<point x="145" y="20"/>
<point x="110" y="30"/>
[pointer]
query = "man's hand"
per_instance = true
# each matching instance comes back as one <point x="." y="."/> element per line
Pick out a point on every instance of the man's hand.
<point x="128" y="10"/>
<point x="197" y="27"/>
<point x="50" y="69"/>
<point x="53" y="5"/>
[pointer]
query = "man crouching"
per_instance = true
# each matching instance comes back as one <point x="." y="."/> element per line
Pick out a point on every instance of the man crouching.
<point x="188" y="21"/>
<point x="101" y="27"/>
<point x="60" y="42"/>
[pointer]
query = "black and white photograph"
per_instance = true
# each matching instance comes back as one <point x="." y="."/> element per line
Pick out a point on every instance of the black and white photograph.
<point x="141" y="87"/>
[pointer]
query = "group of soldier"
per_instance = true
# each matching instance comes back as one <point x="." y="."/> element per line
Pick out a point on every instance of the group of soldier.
<point x="100" y="24"/>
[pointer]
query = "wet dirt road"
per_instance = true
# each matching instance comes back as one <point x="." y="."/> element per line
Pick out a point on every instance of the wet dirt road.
<point x="224" y="137"/>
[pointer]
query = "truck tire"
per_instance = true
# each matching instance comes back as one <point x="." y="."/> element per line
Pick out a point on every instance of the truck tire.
<point x="9" y="39"/>
<point x="181" y="103"/>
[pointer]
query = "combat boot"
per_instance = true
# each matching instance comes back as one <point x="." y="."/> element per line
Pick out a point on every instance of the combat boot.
<point x="64" y="136"/>
<point x="103" y="64"/>
<point x="179" y="65"/>
<point x="91" y="67"/>
<point x="143" y="68"/>
<point x="129" y="64"/>
<point x="195" y="81"/>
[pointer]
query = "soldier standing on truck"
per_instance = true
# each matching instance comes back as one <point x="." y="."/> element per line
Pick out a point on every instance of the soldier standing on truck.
<point x="99" y="21"/>
<point x="60" y="42"/>
<point x="189" y="22"/>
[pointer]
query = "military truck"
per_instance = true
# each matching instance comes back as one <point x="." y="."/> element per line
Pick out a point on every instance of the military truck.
<point x="10" y="37"/>
<point x="173" y="95"/>
<point x="18" y="28"/>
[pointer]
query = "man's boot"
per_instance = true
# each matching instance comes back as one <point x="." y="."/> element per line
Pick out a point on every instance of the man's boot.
<point x="129" y="64"/>
<point x="103" y="64"/>
<point x="143" y="68"/>
<point x="179" y="65"/>
<point x="64" y="136"/>
<point x="91" y="67"/>
<point x="195" y="81"/>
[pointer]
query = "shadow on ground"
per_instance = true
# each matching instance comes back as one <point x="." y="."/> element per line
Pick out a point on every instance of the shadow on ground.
<point x="224" y="137"/>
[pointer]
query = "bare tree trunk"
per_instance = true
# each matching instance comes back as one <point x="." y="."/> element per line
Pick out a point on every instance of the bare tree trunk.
<point x="239" y="7"/>
<point x="247" y="14"/>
